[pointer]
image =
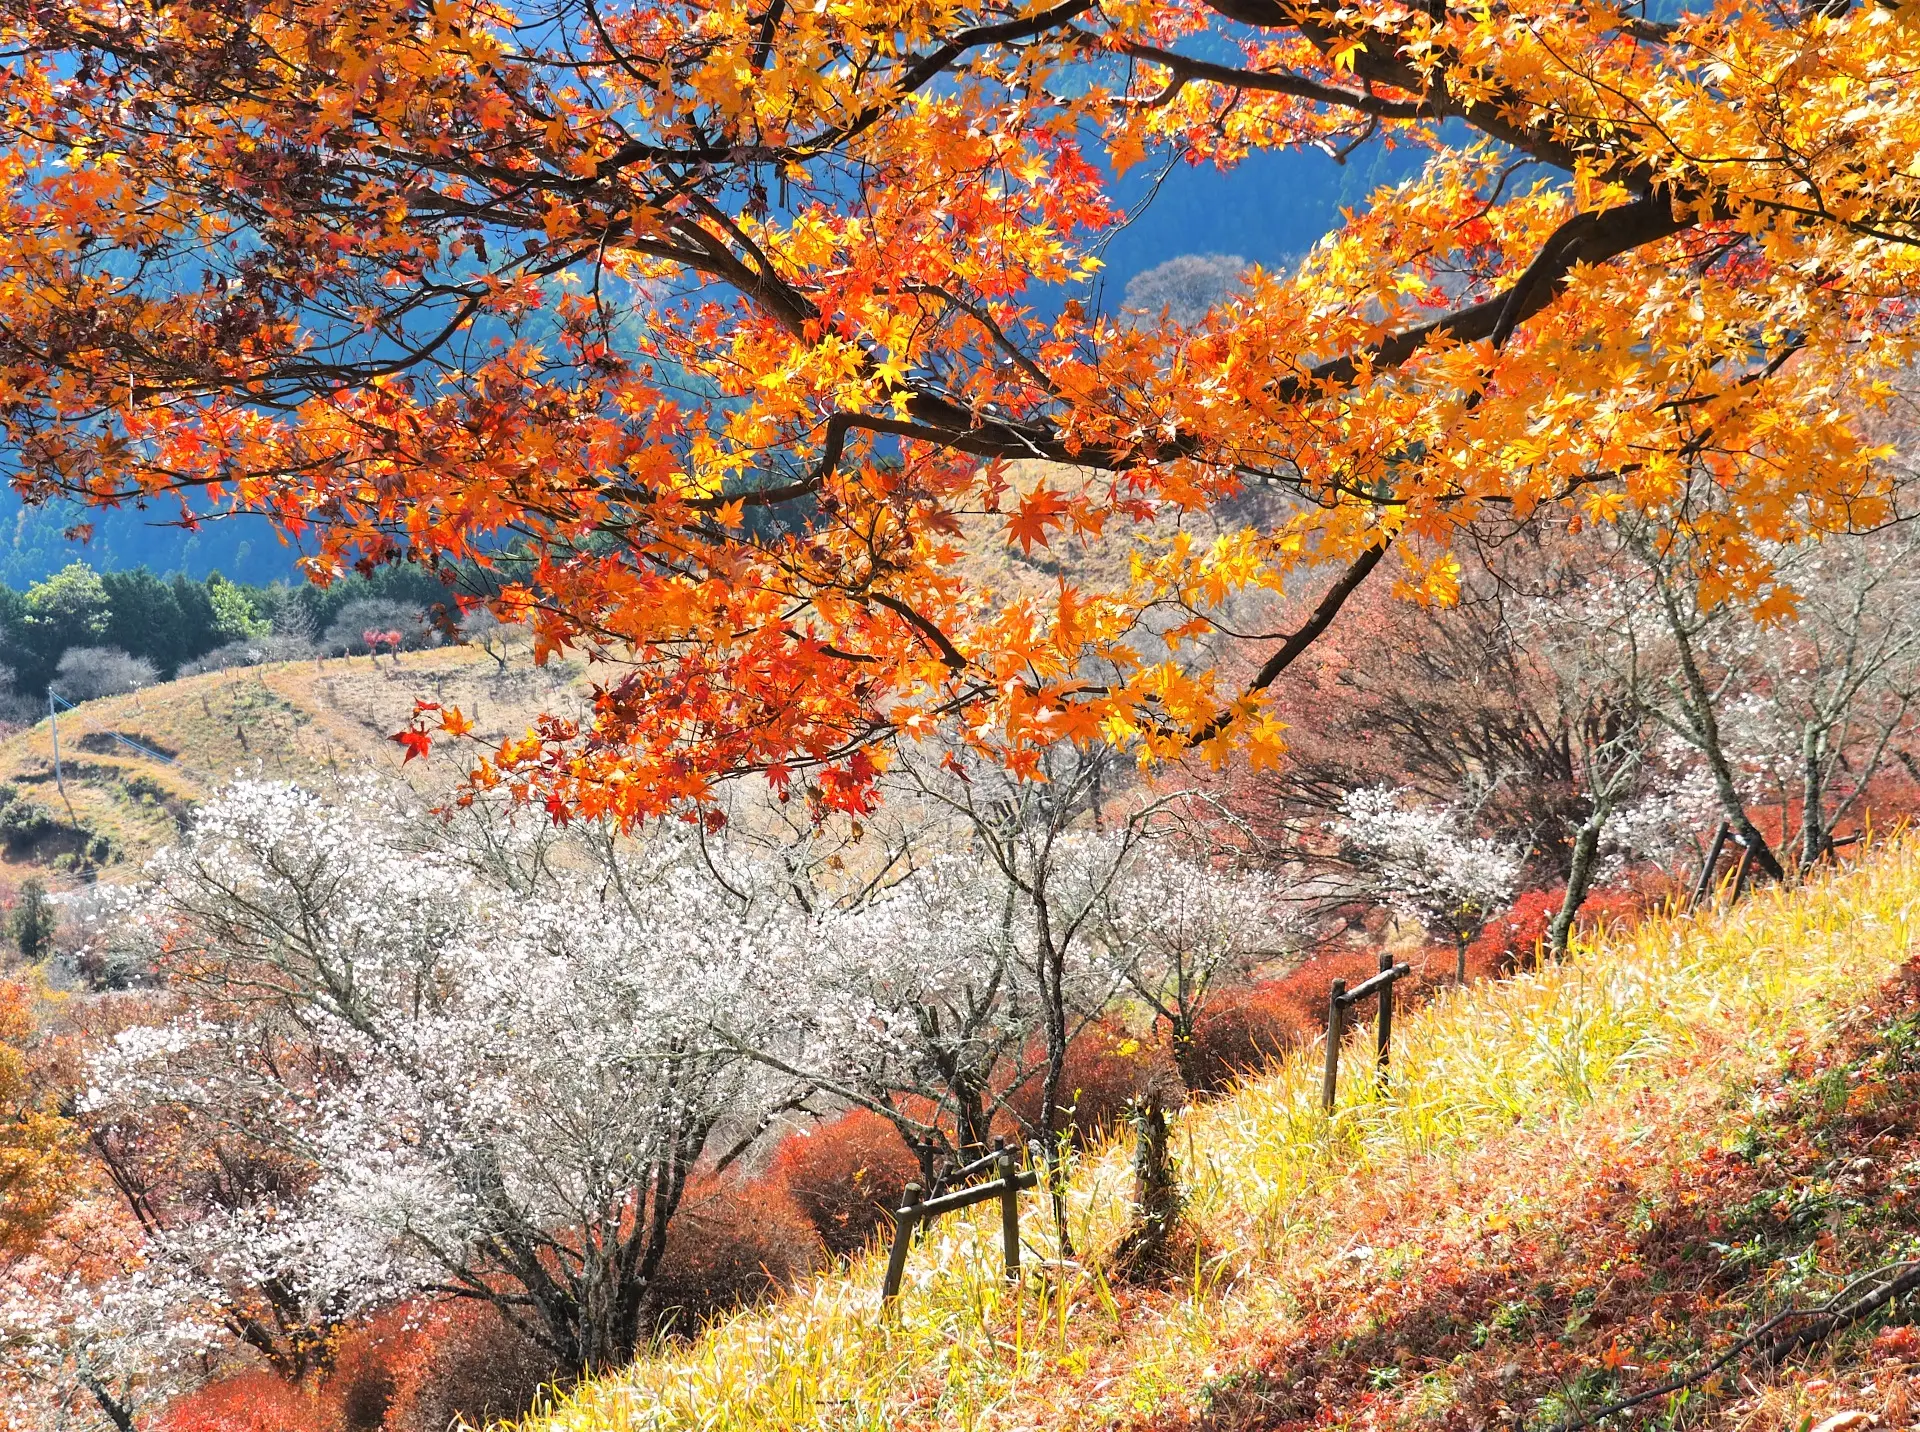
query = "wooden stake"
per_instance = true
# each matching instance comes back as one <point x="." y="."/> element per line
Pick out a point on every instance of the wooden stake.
<point x="1336" y="1028"/>
<point x="1713" y="860"/>
<point x="1740" y="875"/>
<point x="1383" y="1031"/>
<point x="904" y="1222"/>
<point x="1009" y="1215"/>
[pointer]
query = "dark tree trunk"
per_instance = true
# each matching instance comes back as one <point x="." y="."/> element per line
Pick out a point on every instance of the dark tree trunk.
<point x="110" y="1408"/>
<point x="1706" y="726"/>
<point x="1813" y="828"/>
<point x="1586" y="845"/>
<point x="1186" y="1053"/>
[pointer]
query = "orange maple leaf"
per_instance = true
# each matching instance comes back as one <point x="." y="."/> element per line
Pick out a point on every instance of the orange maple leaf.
<point x="1038" y="512"/>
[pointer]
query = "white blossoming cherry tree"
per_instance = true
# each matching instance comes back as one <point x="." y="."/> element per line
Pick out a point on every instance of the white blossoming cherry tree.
<point x="921" y="1004"/>
<point x="459" y="1084"/>
<point x="1422" y="860"/>
<point x="1177" y="928"/>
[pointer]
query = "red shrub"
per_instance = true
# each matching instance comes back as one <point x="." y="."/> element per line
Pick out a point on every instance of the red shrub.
<point x="1305" y="986"/>
<point x="730" y="1243"/>
<point x="473" y="1366"/>
<point x="1244" y="1028"/>
<point x="256" y="1401"/>
<point x="1613" y="906"/>
<point x="375" y="1363"/>
<point x="1514" y="940"/>
<point x="845" y="1176"/>
<point x="1105" y="1070"/>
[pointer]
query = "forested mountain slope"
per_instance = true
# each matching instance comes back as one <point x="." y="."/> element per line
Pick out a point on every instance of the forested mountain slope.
<point x="1590" y="1181"/>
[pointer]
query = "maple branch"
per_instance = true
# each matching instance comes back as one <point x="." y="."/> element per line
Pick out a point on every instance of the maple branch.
<point x="1588" y="238"/>
<point x="922" y="72"/>
<point x="1488" y="111"/>
<point x="769" y="26"/>
<point x="1303" y="637"/>
<point x="994" y="331"/>
<point x="833" y="448"/>
<point x="1185" y="69"/>
<point x="949" y="653"/>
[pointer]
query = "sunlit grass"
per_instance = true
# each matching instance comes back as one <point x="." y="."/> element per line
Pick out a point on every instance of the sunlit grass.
<point x="1628" y="1015"/>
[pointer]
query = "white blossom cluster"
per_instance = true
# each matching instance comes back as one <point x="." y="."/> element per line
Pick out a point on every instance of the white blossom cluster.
<point x="1423" y="862"/>
<point x="938" y="984"/>
<point x="84" y="1355"/>
<point x="1176" y="923"/>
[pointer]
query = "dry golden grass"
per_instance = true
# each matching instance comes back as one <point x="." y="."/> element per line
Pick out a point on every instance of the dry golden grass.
<point x="306" y="720"/>
<point x="1506" y="1097"/>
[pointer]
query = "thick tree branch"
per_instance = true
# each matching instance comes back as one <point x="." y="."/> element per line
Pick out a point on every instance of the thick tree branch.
<point x="1304" y="636"/>
<point x="1588" y="238"/>
<point x="1185" y="68"/>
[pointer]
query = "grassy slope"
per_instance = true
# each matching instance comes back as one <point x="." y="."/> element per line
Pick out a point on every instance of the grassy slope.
<point x="304" y="719"/>
<point x="1545" y="1214"/>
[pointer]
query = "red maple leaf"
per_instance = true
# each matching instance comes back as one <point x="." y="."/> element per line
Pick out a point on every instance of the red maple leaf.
<point x="417" y="742"/>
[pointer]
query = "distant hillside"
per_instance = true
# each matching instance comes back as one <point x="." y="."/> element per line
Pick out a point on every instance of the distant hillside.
<point x="1270" y="210"/>
<point x="303" y="719"/>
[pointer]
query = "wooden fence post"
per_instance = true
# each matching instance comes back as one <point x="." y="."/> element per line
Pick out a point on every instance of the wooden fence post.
<point x="1713" y="861"/>
<point x="904" y="1222"/>
<point x="1383" y="1031"/>
<point x="1336" y="1028"/>
<point x="1009" y="1215"/>
<point x="1740" y="875"/>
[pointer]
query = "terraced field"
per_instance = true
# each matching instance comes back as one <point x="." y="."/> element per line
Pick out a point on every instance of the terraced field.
<point x="132" y="766"/>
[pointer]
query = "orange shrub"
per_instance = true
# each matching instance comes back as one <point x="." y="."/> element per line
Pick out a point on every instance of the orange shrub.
<point x="253" y="1401"/>
<point x="1244" y="1028"/>
<point x="375" y="1363"/>
<point x="730" y="1243"/>
<point x="845" y="1175"/>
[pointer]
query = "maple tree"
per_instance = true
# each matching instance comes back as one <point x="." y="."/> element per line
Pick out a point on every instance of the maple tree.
<point x="36" y="1154"/>
<point x="697" y="334"/>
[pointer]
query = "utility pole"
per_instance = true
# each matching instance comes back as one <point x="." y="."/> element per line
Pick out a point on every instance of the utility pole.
<point x="53" y="724"/>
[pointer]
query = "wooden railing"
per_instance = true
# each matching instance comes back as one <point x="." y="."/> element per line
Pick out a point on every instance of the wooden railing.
<point x="914" y="1213"/>
<point x="1339" y="1000"/>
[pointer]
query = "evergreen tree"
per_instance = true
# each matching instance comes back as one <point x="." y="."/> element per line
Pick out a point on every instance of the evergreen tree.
<point x="33" y="922"/>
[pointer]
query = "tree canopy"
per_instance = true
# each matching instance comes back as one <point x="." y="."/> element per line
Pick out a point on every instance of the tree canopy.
<point x="707" y="328"/>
